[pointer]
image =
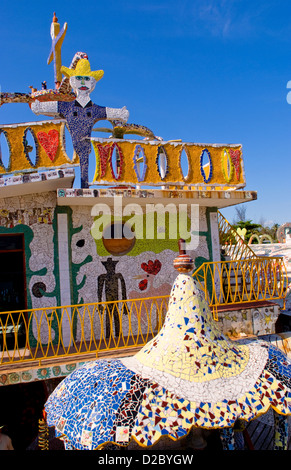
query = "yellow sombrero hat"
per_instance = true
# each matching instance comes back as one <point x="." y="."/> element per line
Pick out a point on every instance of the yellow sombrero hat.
<point x="83" y="69"/>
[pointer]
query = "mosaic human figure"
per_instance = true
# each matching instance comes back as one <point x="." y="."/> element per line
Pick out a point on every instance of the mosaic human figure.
<point x="80" y="114"/>
<point x="110" y="283"/>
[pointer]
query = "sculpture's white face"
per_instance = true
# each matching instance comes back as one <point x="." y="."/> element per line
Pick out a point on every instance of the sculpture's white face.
<point x="82" y="85"/>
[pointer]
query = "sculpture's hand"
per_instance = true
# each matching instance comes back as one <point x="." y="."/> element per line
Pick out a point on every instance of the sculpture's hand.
<point x="48" y="108"/>
<point x="35" y="106"/>
<point x="118" y="114"/>
<point x="124" y="114"/>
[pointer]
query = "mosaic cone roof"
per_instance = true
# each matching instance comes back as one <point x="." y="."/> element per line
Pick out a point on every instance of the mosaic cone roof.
<point x="189" y="375"/>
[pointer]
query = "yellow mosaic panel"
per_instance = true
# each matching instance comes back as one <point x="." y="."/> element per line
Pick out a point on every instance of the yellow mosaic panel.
<point x="48" y="146"/>
<point x="212" y="174"/>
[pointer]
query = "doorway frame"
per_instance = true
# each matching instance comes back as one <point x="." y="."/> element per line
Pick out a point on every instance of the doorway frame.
<point x="19" y="250"/>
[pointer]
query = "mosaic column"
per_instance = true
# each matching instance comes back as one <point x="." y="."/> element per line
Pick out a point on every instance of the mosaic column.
<point x="64" y="270"/>
<point x="215" y="237"/>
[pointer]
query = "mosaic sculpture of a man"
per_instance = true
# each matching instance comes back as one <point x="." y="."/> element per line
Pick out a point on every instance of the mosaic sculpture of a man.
<point x="81" y="114"/>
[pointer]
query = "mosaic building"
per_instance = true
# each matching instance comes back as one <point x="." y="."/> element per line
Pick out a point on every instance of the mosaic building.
<point x="66" y="256"/>
<point x="87" y="260"/>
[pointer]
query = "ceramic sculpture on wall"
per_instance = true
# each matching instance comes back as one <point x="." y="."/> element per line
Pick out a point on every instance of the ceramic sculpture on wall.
<point x="189" y="376"/>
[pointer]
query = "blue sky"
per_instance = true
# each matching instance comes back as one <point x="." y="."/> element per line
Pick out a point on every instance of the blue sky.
<point x="201" y="71"/>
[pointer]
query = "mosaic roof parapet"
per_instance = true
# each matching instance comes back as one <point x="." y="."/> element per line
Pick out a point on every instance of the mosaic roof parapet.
<point x="130" y="162"/>
<point x="47" y="145"/>
<point x="166" y="163"/>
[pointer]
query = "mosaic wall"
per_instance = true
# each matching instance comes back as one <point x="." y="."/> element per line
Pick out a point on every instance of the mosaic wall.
<point x="249" y="321"/>
<point x="141" y="273"/>
<point x="154" y="266"/>
<point x="58" y="242"/>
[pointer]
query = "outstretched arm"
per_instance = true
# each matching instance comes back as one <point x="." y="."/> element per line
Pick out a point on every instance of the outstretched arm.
<point x="117" y="114"/>
<point x="48" y="108"/>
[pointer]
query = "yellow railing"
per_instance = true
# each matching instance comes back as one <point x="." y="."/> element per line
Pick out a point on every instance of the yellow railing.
<point x="45" y="333"/>
<point x="51" y="333"/>
<point x="234" y="245"/>
<point x="241" y="281"/>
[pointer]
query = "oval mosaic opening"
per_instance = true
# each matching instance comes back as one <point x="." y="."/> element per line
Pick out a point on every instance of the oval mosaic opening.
<point x="162" y="162"/>
<point x="67" y="143"/>
<point x="139" y="163"/>
<point x="30" y="146"/>
<point x="116" y="162"/>
<point x="227" y="165"/>
<point x="184" y="164"/>
<point x="5" y="151"/>
<point x="206" y="165"/>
